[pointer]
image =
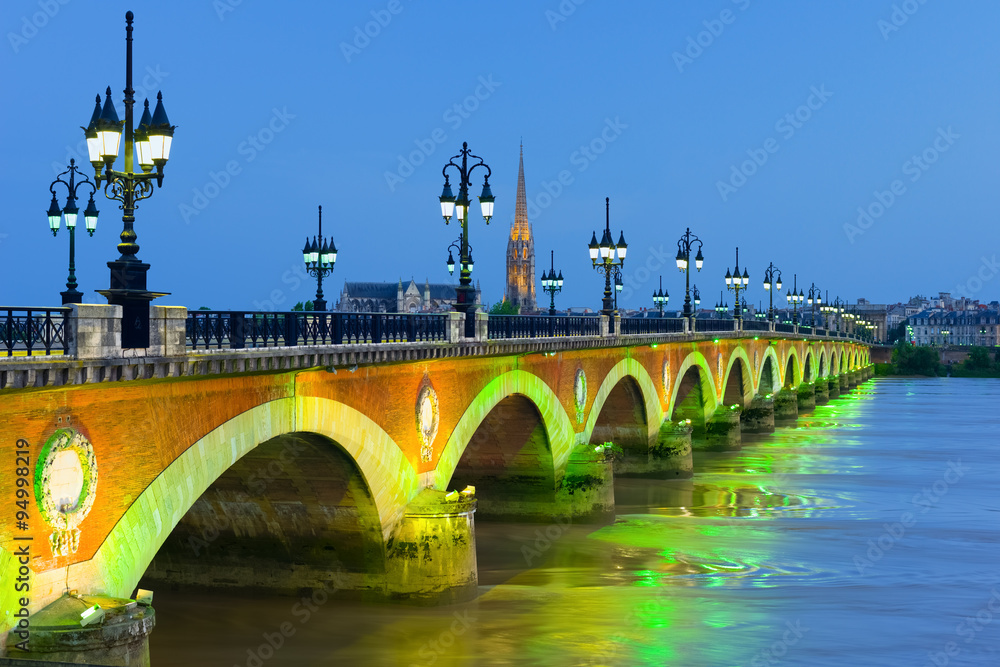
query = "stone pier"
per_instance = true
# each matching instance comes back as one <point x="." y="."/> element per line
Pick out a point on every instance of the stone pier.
<point x="722" y="432"/>
<point x="845" y="382"/>
<point x="833" y="385"/>
<point x="806" y="397"/>
<point x="758" y="417"/>
<point x="586" y="493"/>
<point x="668" y="458"/>
<point x="822" y="391"/>
<point x="431" y="556"/>
<point x="118" y="635"/>
<point x="786" y="406"/>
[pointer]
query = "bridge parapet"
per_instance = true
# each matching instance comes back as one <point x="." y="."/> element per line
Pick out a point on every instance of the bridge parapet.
<point x="83" y="342"/>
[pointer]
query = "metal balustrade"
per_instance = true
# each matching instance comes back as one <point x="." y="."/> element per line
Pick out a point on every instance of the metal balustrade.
<point x="28" y="331"/>
<point x="236" y="330"/>
<point x="715" y="325"/>
<point x="506" y="327"/>
<point x="784" y="328"/>
<point x="756" y="325"/>
<point x="651" y="325"/>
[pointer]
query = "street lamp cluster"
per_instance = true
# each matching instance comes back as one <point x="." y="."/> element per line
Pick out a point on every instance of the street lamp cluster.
<point x="772" y="278"/>
<point x="552" y="283"/>
<point x="319" y="256"/>
<point x="735" y="283"/>
<point x="148" y="144"/>
<point x="794" y="298"/>
<point x="685" y="245"/>
<point x="660" y="298"/>
<point x="609" y="257"/>
<point x="70" y="212"/>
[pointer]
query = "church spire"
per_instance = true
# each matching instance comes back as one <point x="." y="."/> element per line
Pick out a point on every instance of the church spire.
<point x="521" y="230"/>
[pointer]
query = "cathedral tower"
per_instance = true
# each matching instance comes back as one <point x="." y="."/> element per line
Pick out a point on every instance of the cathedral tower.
<point x="521" y="251"/>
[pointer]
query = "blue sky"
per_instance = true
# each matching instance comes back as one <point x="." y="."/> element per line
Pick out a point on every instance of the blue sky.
<point x="763" y="125"/>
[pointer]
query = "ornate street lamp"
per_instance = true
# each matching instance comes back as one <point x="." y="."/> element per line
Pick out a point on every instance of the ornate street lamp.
<point x="456" y="245"/>
<point x="70" y="212"/>
<point x="684" y="246"/>
<point x="772" y="278"/>
<point x="696" y="297"/>
<point x="794" y="298"/>
<point x="319" y="256"/>
<point x="660" y="298"/>
<point x="552" y="283"/>
<point x="602" y="257"/>
<point x="465" y="293"/>
<point x="152" y="141"/>
<point x="722" y="308"/>
<point x="814" y="299"/>
<point x="736" y="283"/>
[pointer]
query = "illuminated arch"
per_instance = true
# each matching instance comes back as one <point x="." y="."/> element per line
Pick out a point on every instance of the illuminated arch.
<point x="650" y="397"/>
<point x="739" y="355"/>
<point x="122" y="558"/>
<point x="707" y="384"/>
<point x="776" y="372"/>
<point x="558" y="427"/>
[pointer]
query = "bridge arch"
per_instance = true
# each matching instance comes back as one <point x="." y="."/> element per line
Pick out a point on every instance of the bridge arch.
<point x="824" y="364"/>
<point x="693" y="395"/>
<point x="792" y="376"/>
<point x="628" y="375"/>
<point x="769" y="380"/>
<point x="557" y="426"/>
<point x="808" y="372"/>
<point x="121" y="559"/>
<point x="738" y="384"/>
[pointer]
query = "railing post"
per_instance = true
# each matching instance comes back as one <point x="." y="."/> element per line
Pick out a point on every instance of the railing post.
<point x="237" y="332"/>
<point x="291" y="329"/>
<point x="482" y="326"/>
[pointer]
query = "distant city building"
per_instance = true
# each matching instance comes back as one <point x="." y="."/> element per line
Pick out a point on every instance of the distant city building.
<point x="359" y="297"/>
<point x="521" y="252"/>
<point x="967" y="327"/>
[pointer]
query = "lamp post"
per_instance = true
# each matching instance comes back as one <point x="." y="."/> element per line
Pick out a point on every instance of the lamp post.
<point x="696" y="297"/>
<point x="814" y="299"/>
<point x="151" y="140"/>
<point x="772" y="278"/>
<point x="660" y="298"/>
<point x="552" y="283"/>
<point x="795" y="297"/>
<point x="319" y="255"/>
<point x="684" y="246"/>
<point x="722" y="308"/>
<point x="465" y="293"/>
<point x="70" y="212"/>
<point x="602" y="257"/>
<point x="736" y="283"/>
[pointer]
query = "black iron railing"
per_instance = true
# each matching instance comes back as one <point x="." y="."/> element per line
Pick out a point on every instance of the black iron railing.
<point x="784" y="328"/>
<point x="27" y="331"/>
<point x="756" y="325"/>
<point x="805" y="329"/>
<point x="503" y="327"/>
<point x="714" y="325"/>
<point x="651" y="325"/>
<point x="207" y="329"/>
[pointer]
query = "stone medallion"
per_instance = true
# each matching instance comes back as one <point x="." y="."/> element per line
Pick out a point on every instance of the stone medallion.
<point x="427" y="421"/>
<point x="65" y="487"/>
<point x="580" y="394"/>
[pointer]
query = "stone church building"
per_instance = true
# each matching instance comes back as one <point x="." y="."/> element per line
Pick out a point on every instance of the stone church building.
<point x="357" y="297"/>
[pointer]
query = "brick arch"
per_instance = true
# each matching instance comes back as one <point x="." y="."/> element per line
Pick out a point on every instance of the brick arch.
<point x="809" y="367"/>
<point x="796" y="365"/>
<point x="740" y="363"/>
<point x="558" y="428"/>
<point x="121" y="560"/>
<point x="824" y="363"/>
<point x="707" y="385"/>
<point x="627" y="368"/>
<point x="770" y="354"/>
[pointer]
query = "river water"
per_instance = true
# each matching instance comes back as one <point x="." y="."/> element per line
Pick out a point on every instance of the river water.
<point x="867" y="534"/>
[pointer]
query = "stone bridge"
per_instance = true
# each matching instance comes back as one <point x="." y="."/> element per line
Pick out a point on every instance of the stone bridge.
<point x="358" y="468"/>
